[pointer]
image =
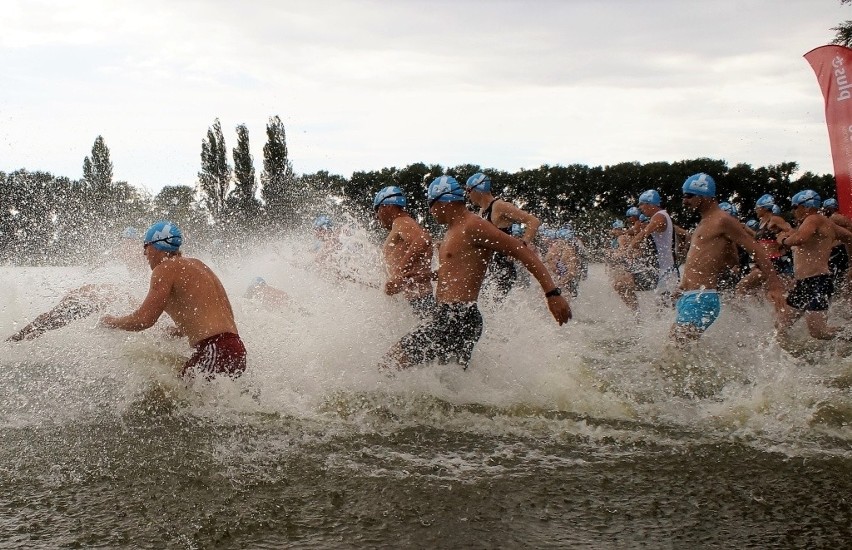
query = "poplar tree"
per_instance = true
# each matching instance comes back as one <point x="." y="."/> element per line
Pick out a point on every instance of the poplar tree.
<point x="97" y="169"/>
<point x="214" y="179"/>
<point x="278" y="183"/>
<point x="243" y="197"/>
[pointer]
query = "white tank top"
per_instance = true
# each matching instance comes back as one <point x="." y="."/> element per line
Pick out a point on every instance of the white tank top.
<point x="663" y="241"/>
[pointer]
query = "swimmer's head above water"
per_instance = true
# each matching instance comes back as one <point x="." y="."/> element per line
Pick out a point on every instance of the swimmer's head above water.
<point x="700" y="184"/>
<point x="478" y="182"/>
<point x="164" y="236"/>
<point x="389" y="196"/>
<point x="444" y="189"/>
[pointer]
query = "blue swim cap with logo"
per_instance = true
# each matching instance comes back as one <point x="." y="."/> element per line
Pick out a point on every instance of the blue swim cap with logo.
<point x="164" y="236"/>
<point x="729" y="208"/>
<point x="389" y="196"/>
<point x="478" y="182"/>
<point x="566" y="233"/>
<point x="766" y="201"/>
<point x="322" y="222"/>
<point x="444" y="189"/>
<point x="830" y="203"/>
<point x="632" y="212"/>
<point x="651" y="196"/>
<point x="808" y="198"/>
<point x="700" y="184"/>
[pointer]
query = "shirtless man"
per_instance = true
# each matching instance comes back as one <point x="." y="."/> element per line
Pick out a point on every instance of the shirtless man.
<point x="811" y="242"/>
<point x="464" y="255"/>
<point x="191" y="294"/>
<point x="698" y="305"/>
<point x="407" y="251"/>
<point x="563" y="260"/>
<point x="502" y="214"/>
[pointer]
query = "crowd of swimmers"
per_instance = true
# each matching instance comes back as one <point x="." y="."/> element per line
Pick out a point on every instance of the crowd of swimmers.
<point x="500" y="245"/>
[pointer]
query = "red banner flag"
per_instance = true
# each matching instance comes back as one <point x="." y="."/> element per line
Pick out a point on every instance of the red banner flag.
<point x="833" y="68"/>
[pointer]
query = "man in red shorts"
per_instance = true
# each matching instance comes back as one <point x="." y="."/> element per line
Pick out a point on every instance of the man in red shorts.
<point x="191" y="294"/>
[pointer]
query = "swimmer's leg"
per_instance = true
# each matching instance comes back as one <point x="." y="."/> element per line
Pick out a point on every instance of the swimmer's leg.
<point x="625" y="285"/>
<point x="818" y="326"/>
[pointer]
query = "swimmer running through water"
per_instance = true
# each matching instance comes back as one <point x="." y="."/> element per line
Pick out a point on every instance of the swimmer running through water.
<point x="192" y="295"/>
<point x="698" y="303"/>
<point x="465" y="253"/>
<point x="407" y="252"/>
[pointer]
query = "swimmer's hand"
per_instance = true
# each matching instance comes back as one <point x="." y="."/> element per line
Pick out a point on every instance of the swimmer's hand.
<point x="393" y="286"/>
<point x="175" y="332"/>
<point x="559" y="308"/>
<point x="108" y="321"/>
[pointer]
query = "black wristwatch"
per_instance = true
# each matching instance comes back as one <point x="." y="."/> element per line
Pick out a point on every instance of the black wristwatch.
<point x="551" y="293"/>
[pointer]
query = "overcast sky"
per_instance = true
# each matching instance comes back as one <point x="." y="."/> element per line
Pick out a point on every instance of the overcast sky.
<point x="364" y="85"/>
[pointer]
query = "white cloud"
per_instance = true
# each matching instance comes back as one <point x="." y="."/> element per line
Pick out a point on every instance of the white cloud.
<point x="364" y="85"/>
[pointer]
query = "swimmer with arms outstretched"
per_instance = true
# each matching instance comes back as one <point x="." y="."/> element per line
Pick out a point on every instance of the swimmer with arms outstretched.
<point x="698" y="303"/>
<point x="465" y="252"/>
<point x="192" y="295"/>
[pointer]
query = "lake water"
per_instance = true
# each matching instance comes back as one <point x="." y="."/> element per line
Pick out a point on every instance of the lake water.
<point x="593" y="434"/>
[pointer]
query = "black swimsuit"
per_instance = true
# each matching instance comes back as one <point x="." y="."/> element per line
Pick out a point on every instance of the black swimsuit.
<point x="502" y="270"/>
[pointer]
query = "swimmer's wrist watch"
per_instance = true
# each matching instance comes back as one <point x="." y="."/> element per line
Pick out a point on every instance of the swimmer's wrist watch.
<point x="551" y="293"/>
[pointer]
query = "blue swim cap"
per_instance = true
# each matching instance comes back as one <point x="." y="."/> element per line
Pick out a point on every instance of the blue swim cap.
<point x="478" y="182"/>
<point x="618" y="224"/>
<point x="164" y="236"/>
<point x="700" y="184"/>
<point x="766" y="201"/>
<point x="444" y="189"/>
<point x="566" y="233"/>
<point x="808" y="198"/>
<point x="650" y="197"/>
<point x="830" y="203"/>
<point x="389" y="196"/>
<point x="322" y="222"/>
<point x="643" y="218"/>
<point x="729" y="208"/>
<point x="633" y="212"/>
<point x="753" y="224"/>
<point x="130" y="233"/>
<point x="517" y="230"/>
<point x="776" y="209"/>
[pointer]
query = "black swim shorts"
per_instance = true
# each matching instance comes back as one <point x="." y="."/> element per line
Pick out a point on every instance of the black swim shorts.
<point x="812" y="294"/>
<point x="450" y="335"/>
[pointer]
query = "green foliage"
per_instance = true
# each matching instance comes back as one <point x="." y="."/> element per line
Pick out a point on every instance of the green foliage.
<point x="843" y="31"/>
<point x="97" y="169"/>
<point x="284" y="199"/>
<point x="243" y="202"/>
<point x="215" y="175"/>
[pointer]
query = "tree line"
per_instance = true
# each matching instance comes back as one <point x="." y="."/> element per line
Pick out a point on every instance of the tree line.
<point x="47" y="219"/>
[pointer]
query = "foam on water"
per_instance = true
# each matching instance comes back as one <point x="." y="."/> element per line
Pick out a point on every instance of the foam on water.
<point x="602" y="378"/>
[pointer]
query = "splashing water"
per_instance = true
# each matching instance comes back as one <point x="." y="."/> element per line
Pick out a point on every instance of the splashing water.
<point x="597" y="432"/>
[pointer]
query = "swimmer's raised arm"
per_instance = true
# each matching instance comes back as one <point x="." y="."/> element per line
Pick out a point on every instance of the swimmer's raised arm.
<point x="162" y="280"/>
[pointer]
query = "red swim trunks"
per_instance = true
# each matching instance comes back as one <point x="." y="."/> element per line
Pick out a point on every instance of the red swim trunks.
<point x="220" y="354"/>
